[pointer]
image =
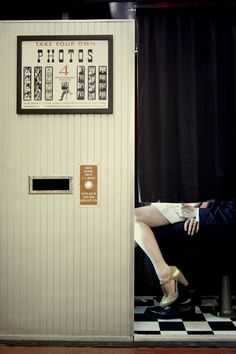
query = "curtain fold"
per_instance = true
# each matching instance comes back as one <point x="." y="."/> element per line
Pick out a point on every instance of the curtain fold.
<point x="186" y="124"/>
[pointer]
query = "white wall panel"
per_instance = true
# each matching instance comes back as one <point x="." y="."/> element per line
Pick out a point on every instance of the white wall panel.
<point x="66" y="271"/>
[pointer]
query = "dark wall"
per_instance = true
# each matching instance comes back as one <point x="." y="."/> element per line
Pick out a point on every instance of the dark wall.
<point x="49" y="10"/>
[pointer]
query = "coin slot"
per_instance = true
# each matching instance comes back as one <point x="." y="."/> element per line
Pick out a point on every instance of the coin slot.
<point x="50" y="185"/>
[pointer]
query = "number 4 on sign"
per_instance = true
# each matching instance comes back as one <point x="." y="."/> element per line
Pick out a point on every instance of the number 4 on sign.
<point x="64" y="70"/>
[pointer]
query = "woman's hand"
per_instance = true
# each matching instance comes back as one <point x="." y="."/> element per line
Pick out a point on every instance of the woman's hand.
<point x="189" y="212"/>
<point x="191" y="226"/>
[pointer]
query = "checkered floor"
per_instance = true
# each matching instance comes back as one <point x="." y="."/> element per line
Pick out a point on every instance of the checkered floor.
<point x="204" y="324"/>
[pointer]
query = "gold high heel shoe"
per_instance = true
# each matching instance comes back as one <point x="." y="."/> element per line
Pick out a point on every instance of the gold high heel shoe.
<point x="177" y="276"/>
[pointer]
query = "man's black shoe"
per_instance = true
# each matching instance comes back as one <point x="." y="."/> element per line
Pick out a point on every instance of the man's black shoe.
<point x="175" y="310"/>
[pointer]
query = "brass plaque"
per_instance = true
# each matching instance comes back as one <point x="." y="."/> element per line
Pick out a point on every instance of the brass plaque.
<point x="88" y="185"/>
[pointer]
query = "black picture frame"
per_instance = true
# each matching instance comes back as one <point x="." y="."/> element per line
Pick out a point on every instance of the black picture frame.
<point x="69" y="74"/>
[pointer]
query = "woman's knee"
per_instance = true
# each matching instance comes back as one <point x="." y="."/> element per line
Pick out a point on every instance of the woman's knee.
<point x="138" y="214"/>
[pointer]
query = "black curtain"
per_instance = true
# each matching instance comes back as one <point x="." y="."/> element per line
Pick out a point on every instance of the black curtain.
<point x="186" y="89"/>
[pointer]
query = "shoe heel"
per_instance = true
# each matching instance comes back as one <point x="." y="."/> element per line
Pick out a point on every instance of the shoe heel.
<point x="182" y="279"/>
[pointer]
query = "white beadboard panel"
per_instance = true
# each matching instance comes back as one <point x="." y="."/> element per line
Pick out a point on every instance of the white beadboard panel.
<point x="66" y="271"/>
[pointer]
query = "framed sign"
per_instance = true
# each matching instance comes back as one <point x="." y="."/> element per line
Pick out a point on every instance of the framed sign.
<point x="65" y="74"/>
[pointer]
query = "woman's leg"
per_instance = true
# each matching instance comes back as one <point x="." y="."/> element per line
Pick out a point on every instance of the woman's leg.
<point x="145" y="218"/>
